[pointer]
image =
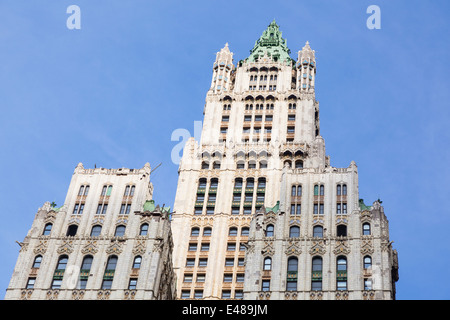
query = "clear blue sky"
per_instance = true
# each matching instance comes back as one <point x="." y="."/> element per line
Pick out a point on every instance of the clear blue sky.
<point x="111" y="94"/>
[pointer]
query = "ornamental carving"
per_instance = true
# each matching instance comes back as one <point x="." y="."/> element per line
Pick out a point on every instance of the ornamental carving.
<point x="342" y="295"/>
<point x="26" y="294"/>
<point x="115" y="247"/>
<point x="293" y="248"/>
<point x="367" y="246"/>
<point x="318" y="247"/>
<point x="139" y="247"/>
<point x="78" y="294"/>
<point x="103" y="294"/>
<point x="316" y="295"/>
<point x="90" y="247"/>
<point x="129" y="294"/>
<point x="290" y="295"/>
<point x="264" y="296"/>
<point x="368" y="295"/>
<point x="341" y="247"/>
<point x="158" y="245"/>
<point x="66" y="247"/>
<point x="41" y="248"/>
<point x="268" y="248"/>
<point x="52" y="294"/>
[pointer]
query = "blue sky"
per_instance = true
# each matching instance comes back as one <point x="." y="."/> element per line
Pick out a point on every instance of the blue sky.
<point x="112" y="93"/>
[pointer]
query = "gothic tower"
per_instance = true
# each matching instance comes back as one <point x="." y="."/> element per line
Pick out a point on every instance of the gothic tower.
<point x="259" y="211"/>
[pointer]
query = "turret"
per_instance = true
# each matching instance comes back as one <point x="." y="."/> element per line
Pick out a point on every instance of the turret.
<point x="222" y="71"/>
<point x="306" y="66"/>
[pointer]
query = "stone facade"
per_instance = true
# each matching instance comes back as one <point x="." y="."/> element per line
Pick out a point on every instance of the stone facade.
<point x="108" y="241"/>
<point x="261" y="147"/>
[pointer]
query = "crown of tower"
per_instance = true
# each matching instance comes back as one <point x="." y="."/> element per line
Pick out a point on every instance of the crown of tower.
<point x="272" y="44"/>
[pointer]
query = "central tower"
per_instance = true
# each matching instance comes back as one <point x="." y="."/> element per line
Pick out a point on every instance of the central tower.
<point x="257" y="177"/>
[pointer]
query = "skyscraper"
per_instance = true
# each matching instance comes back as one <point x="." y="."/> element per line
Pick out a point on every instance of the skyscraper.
<point x="258" y="201"/>
<point x="107" y="241"/>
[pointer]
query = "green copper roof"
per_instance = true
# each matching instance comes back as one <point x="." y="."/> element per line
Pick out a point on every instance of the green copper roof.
<point x="149" y="205"/>
<point x="362" y="206"/>
<point x="271" y="43"/>
<point x="274" y="208"/>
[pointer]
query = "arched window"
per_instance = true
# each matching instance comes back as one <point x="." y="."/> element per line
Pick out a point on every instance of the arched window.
<point x="261" y="182"/>
<point x="202" y="183"/>
<point x="72" y="230"/>
<point x="120" y="231"/>
<point x="322" y="189"/>
<point x="341" y="273"/>
<point x="143" y="230"/>
<point x="132" y="191"/>
<point x="316" y="279"/>
<point x="137" y="262"/>
<point x="267" y="263"/>
<point x="112" y="263"/>
<point x="85" y="271"/>
<point x="47" y="229"/>
<point x="341" y="230"/>
<point x="245" y="231"/>
<point x="338" y="190"/>
<point x="195" y="232"/>
<point x="298" y="164"/>
<point x="238" y="183"/>
<point x="109" y="273"/>
<point x="59" y="272"/>
<point x="37" y="262"/>
<point x="292" y="270"/>
<point x="294" y="232"/>
<point x="318" y="231"/>
<point x="207" y="231"/>
<point x="87" y="263"/>
<point x="250" y="183"/>
<point x="205" y="165"/>
<point x="269" y="230"/>
<point x="366" y="229"/>
<point x="367" y="262"/>
<point x="96" y="230"/>
<point x="233" y="232"/>
<point x="214" y="183"/>
<point x="216" y="165"/>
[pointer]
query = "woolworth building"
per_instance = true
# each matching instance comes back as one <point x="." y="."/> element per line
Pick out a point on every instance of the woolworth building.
<point x="259" y="211"/>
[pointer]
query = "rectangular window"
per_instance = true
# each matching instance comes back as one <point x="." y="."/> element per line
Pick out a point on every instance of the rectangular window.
<point x="231" y="247"/>
<point x="198" y="294"/>
<point x="226" y="294"/>
<point x="192" y="247"/>
<point x="238" y="294"/>
<point x="228" y="278"/>
<point x="241" y="262"/>
<point x="258" y="118"/>
<point x="30" y="283"/>
<point x="344" y="208"/>
<point x="202" y="262"/>
<point x="229" y="262"/>
<point x="225" y="118"/>
<point x="201" y="277"/>
<point x="190" y="262"/>
<point x="338" y="208"/>
<point x="75" y="209"/>
<point x="291" y="117"/>
<point x="321" y="209"/>
<point x="316" y="208"/>
<point x="290" y="129"/>
<point x="185" y="294"/>
<point x="133" y="284"/>
<point x="122" y="208"/>
<point x="105" y="207"/>
<point x="269" y="118"/>
<point x="187" y="278"/>
<point x="247" y="118"/>
<point x="299" y="209"/>
<point x="265" y="285"/>
<point x="205" y="247"/>
<point x="240" y="277"/>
